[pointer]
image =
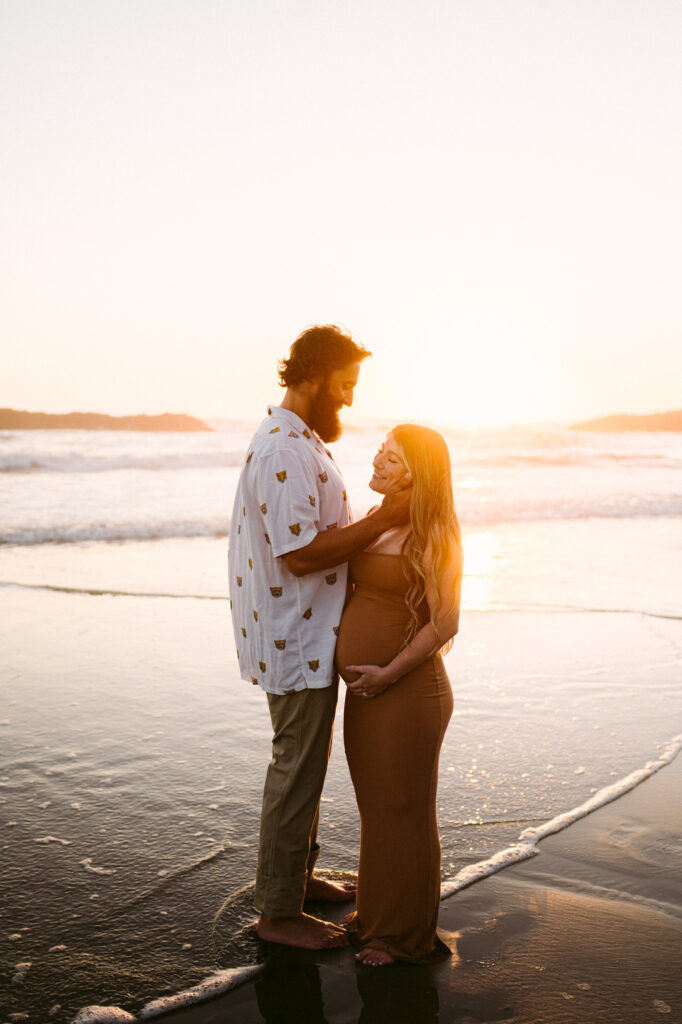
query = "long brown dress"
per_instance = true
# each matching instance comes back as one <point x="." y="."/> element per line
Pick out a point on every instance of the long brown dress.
<point x="392" y="744"/>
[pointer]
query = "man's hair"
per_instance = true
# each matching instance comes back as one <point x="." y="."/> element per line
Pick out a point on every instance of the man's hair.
<point x="317" y="352"/>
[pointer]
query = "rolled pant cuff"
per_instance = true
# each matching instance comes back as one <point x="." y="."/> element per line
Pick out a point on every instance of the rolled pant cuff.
<point x="280" y="897"/>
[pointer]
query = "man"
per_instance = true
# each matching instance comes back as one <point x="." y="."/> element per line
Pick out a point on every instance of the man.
<point x="290" y="540"/>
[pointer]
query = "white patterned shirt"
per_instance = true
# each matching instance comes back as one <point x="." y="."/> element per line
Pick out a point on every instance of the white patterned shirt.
<point x="289" y="490"/>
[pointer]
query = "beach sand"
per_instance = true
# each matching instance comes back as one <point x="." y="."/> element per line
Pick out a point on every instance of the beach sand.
<point x="589" y="930"/>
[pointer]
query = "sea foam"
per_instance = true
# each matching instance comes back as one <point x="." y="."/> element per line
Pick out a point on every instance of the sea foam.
<point x="530" y="837"/>
<point x="218" y="527"/>
<point x="216" y="984"/>
<point x="103" y="1015"/>
<point x="21" y="970"/>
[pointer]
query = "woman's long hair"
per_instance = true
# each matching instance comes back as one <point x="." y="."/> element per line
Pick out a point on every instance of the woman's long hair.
<point x="433" y="519"/>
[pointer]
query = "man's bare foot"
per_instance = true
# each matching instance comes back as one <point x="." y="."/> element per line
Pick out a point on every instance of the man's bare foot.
<point x="333" y="892"/>
<point x="374" y="958"/>
<point x="304" y="931"/>
<point x="346" y="919"/>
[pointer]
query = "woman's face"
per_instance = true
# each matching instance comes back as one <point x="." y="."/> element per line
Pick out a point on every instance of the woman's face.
<point x="389" y="467"/>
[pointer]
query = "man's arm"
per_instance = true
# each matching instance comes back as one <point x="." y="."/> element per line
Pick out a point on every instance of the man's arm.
<point x="332" y="547"/>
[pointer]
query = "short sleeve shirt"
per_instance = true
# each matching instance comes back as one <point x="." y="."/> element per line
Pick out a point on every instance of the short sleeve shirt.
<point x="289" y="490"/>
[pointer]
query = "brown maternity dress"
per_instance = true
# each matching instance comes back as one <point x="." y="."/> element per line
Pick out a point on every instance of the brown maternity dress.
<point x="392" y="744"/>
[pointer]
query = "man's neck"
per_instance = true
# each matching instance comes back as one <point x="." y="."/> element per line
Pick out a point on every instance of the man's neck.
<point x="298" y="401"/>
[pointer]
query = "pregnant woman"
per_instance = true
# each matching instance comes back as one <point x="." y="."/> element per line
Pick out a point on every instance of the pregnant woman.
<point x="403" y="610"/>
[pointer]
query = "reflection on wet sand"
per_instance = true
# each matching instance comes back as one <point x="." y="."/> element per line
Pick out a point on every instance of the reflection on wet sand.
<point x="289" y="991"/>
<point x="404" y="994"/>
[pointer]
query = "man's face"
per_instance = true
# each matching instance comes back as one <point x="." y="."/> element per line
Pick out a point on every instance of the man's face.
<point x="333" y="393"/>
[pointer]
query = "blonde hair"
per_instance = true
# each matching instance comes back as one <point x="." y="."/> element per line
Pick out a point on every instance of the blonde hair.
<point x="433" y="520"/>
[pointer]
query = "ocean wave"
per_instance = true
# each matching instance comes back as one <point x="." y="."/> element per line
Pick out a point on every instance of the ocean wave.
<point x="570" y="458"/>
<point x="632" y="506"/>
<point x="472" y="516"/>
<point x="108" y="532"/>
<point x="463" y="461"/>
<point x="75" y="462"/>
<point x="99" y="452"/>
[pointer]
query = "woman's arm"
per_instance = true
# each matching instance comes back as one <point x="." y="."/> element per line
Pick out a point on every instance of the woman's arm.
<point x="374" y="679"/>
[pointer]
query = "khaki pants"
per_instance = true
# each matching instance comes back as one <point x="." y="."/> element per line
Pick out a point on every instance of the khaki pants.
<point x="302" y="725"/>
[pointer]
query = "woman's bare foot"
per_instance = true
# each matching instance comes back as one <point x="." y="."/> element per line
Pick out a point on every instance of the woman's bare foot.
<point x="374" y="958"/>
<point x="304" y="931"/>
<point x="333" y="892"/>
<point x="346" y="919"/>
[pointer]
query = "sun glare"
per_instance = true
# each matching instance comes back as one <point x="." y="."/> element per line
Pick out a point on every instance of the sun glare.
<point x="482" y="558"/>
<point x="485" y="380"/>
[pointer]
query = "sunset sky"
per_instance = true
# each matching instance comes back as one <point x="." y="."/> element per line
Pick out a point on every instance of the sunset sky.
<point x="487" y="194"/>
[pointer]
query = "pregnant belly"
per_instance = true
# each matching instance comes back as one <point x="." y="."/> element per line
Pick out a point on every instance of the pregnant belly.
<point x="371" y="633"/>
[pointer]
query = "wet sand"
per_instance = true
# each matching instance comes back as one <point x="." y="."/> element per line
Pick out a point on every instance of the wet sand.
<point x="131" y="767"/>
<point x="589" y="930"/>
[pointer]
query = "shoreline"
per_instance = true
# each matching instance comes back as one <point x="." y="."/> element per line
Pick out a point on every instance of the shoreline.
<point x="510" y="917"/>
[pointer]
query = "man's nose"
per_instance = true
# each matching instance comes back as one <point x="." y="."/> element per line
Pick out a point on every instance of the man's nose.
<point x="348" y="398"/>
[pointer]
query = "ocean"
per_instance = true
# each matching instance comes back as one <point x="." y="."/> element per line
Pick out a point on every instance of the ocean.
<point x="132" y="756"/>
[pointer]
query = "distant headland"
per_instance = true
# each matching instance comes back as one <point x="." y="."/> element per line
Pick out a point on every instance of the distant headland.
<point x="19" y="419"/>
<point x="624" y="421"/>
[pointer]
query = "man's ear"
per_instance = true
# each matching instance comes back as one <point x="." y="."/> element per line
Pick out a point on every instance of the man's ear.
<point x="311" y="385"/>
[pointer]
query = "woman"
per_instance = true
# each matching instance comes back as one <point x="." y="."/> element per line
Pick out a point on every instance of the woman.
<point x="404" y="608"/>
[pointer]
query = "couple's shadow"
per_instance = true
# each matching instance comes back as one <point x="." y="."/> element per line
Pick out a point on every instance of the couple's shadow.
<point x="290" y="990"/>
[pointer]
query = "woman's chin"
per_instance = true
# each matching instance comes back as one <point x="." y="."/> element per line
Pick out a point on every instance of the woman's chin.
<point x="377" y="485"/>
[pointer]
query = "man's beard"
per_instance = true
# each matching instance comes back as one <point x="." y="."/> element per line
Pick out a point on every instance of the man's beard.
<point x="324" y="415"/>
